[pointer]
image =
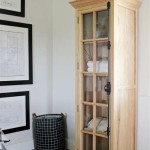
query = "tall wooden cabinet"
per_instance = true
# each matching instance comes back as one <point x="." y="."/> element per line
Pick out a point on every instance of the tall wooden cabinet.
<point x="106" y="90"/>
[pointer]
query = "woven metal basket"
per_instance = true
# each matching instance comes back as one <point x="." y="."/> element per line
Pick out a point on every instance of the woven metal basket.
<point x="48" y="132"/>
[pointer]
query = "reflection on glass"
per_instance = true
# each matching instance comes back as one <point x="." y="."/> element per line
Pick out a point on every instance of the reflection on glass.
<point x="88" y="142"/>
<point x="88" y="26"/>
<point x="102" y="24"/>
<point x="101" y="95"/>
<point x="102" y="57"/>
<point x="88" y="88"/>
<point x="101" y="143"/>
<point x="102" y="121"/>
<point x="88" y="57"/>
<point x="88" y="116"/>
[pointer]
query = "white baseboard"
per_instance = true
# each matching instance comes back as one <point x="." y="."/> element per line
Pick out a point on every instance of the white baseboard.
<point x="29" y="145"/>
<point x="21" y="146"/>
<point x="71" y="144"/>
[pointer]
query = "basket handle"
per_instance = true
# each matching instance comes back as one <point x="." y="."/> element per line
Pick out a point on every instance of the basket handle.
<point x="34" y="115"/>
<point x="62" y="114"/>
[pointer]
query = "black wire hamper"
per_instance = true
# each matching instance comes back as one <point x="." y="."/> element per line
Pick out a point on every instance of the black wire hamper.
<point x="49" y="132"/>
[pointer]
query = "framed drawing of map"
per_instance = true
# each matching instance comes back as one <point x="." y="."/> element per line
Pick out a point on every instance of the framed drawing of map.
<point x="14" y="111"/>
<point x="15" y="53"/>
<point x="13" y="7"/>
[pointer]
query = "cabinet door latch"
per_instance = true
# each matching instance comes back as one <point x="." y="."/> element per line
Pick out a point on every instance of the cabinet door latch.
<point x="107" y="88"/>
<point x="108" y="131"/>
<point x="109" y="45"/>
<point x="108" y="5"/>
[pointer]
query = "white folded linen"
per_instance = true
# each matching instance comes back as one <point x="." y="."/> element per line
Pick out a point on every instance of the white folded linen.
<point x="90" y="124"/>
<point x="104" y="69"/>
<point x="103" y="63"/>
<point x="98" y="69"/>
<point x="91" y="69"/>
<point x="101" y="66"/>
<point x="90" y="64"/>
<point x="101" y="124"/>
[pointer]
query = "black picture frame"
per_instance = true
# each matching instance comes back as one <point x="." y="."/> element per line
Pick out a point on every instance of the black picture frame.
<point x="20" y="13"/>
<point x="28" y="79"/>
<point x="6" y="100"/>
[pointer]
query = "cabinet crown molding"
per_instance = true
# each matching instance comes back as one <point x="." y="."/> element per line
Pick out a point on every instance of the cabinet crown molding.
<point x="79" y="4"/>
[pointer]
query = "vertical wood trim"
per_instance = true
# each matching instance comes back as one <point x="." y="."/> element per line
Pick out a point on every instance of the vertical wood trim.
<point x="94" y="81"/>
<point x="80" y="83"/>
<point x="94" y="44"/>
<point x="94" y="142"/>
<point x="94" y="111"/>
<point x="94" y="24"/>
<point x="136" y="79"/>
<point x="76" y="84"/>
<point x="112" y="20"/>
<point x="80" y="43"/>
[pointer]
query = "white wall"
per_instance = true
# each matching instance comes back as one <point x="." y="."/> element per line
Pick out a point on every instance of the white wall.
<point x="144" y="77"/>
<point x="61" y="63"/>
<point x="39" y="14"/>
<point x="64" y="64"/>
<point x="63" y="68"/>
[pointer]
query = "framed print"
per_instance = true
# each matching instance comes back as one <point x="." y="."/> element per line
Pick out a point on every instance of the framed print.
<point x="13" y="7"/>
<point x="15" y="53"/>
<point x="14" y="111"/>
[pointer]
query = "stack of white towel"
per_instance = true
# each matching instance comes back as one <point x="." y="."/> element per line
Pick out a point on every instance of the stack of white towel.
<point x="101" y="124"/>
<point x="101" y="66"/>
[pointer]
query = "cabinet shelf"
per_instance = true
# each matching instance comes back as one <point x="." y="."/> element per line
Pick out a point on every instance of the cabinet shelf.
<point x="102" y="74"/>
<point x="87" y="103"/>
<point x="87" y="131"/>
<point x="101" y="104"/>
<point x="90" y="131"/>
<point x="92" y="40"/>
<point x="102" y="134"/>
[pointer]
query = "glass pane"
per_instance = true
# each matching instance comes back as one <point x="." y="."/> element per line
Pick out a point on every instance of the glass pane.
<point x="88" y="142"/>
<point x="102" y="57"/>
<point x="88" y="88"/>
<point x="88" y="26"/>
<point x="102" y="121"/>
<point x="101" y="143"/>
<point x="101" y="95"/>
<point x="88" y="57"/>
<point x="102" y="24"/>
<point x="88" y="116"/>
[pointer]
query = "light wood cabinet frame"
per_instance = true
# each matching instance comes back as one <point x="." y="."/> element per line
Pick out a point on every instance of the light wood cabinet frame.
<point x="123" y="71"/>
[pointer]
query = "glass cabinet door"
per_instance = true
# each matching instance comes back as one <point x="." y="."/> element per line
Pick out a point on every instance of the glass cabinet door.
<point x="102" y="57"/>
<point x="88" y="118"/>
<point x="102" y="24"/>
<point x="101" y="115"/>
<point x="101" y="95"/>
<point x="88" y="26"/>
<point x="88" y="89"/>
<point x="88" y="57"/>
<point x="101" y="143"/>
<point x="94" y="72"/>
<point x="87" y="142"/>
